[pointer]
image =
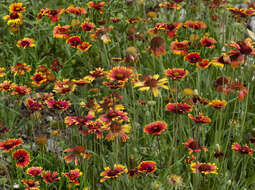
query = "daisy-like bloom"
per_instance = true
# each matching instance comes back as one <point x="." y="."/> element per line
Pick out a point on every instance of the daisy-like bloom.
<point x="76" y="153"/>
<point x="194" y="24"/>
<point x="133" y="20"/>
<point x="84" y="46"/>
<point x="34" y="171"/>
<point x="33" y="105"/>
<point x="218" y="104"/>
<point x="58" y="104"/>
<point x="113" y="115"/>
<point x="108" y="173"/>
<point x="151" y="82"/>
<point x="98" y="72"/>
<point x="147" y="167"/>
<point x="179" y="48"/>
<point x="2" y="72"/>
<point x="221" y="61"/>
<point x="26" y="42"/>
<point x="10" y="144"/>
<point x="16" y="8"/>
<point x="114" y="84"/>
<point x="74" y="41"/>
<point x="175" y="180"/>
<point x="242" y="149"/>
<point x="120" y="73"/>
<point x="20" y="69"/>
<point x="170" y="5"/>
<point x="75" y="10"/>
<point x="86" y="80"/>
<point x="31" y="184"/>
<point x="50" y="177"/>
<point x="203" y="64"/>
<point x="54" y="15"/>
<point x="61" y="31"/>
<point x="118" y="129"/>
<point x="193" y="58"/>
<point x="73" y="176"/>
<point x="22" y="158"/>
<point x="157" y="46"/>
<point x="244" y="47"/>
<point x="241" y="13"/>
<point x="239" y="87"/>
<point x="194" y="146"/>
<point x="178" y="107"/>
<point x="94" y="127"/>
<point x="98" y="6"/>
<point x="21" y="90"/>
<point x="176" y="73"/>
<point x="208" y="42"/>
<point x="64" y="87"/>
<point x="203" y="168"/>
<point x="74" y="120"/>
<point x="14" y="19"/>
<point x="6" y="86"/>
<point x="38" y="79"/>
<point x="236" y="58"/>
<point x="88" y="26"/>
<point x="155" y="128"/>
<point x="200" y="119"/>
<point x="171" y="29"/>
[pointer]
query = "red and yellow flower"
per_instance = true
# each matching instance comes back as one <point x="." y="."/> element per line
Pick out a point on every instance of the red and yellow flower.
<point x="116" y="129"/>
<point x="64" y="87"/>
<point x="193" y="58"/>
<point x="218" y="104"/>
<point x="170" y="5"/>
<point x="98" y="6"/>
<point x="31" y="184"/>
<point x="73" y="176"/>
<point x="6" y="86"/>
<point x="120" y="73"/>
<point x="58" y="104"/>
<point x="178" y="107"/>
<point x="151" y="82"/>
<point x="61" y="31"/>
<point x="22" y="158"/>
<point x="88" y="26"/>
<point x="208" y="42"/>
<point x="204" y="64"/>
<point x="179" y="48"/>
<point x="203" y="168"/>
<point x="74" y="41"/>
<point x="39" y="78"/>
<point x="155" y="128"/>
<point x="10" y="144"/>
<point x="157" y="46"/>
<point x="34" y="171"/>
<point x="176" y="73"/>
<point x="200" y="119"/>
<point x="108" y="173"/>
<point x="75" y="10"/>
<point x="84" y="46"/>
<point x="16" y="8"/>
<point x="147" y="167"/>
<point x="26" y="42"/>
<point x="50" y="177"/>
<point x="242" y="149"/>
<point x="2" y="72"/>
<point x="76" y="153"/>
<point x="21" y="90"/>
<point x="20" y="69"/>
<point x="194" y="24"/>
<point x="194" y="146"/>
<point x="33" y="105"/>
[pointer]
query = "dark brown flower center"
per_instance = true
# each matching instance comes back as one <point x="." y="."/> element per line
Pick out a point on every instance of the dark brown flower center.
<point x="204" y="168"/>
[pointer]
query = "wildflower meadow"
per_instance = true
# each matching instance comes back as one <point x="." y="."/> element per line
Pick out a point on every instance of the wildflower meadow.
<point x="127" y="95"/>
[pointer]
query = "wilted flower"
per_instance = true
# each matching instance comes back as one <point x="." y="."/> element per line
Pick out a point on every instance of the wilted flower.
<point x="193" y="146"/>
<point x="157" y="46"/>
<point x="75" y="154"/>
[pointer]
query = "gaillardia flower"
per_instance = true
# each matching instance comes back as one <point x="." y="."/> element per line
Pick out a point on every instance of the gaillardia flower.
<point x="242" y="149"/>
<point x="98" y="6"/>
<point x="34" y="171"/>
<point x="208" y="42"/>
<point x="73" y="176"/>
<point x="61" y="31"/>
<point x="58" y="104"/>
<point x="108" y="173"/>
<point x="31" y="184"/>
<point x="204" y="64"/>
<point x="176" y="73"/>
<point x="33" y="105"/>
<point x="21" y="90"/>
<point x="16" y="8"/>
<point x="74" y="41"/>
<point x="50" y="177"/>
<point x="194" y="24"/>
<point x="6" y="86"/>
<point x="179" y="48"/>
<point x="203" y="168"/>
<point x="120" y="73"/>
<point x="193" y="58"/>
<point x="75" y="154"/>
<point x="26" y="42"/>
<point x="218" y="104"/>
<point x="178" y="107"/>
<point x="22" y="158"/>
<point x="157" y="46"/>
<point x="147" y="167"/>
<point x="64" y="87"/>
<point x="200" y="119"/>
<point x="151" y="82"/>
<point x="20" y="69"/>
<point x="84" y="46"/>
<point x="193" y="146"/>
<point x="155" y="128"/>
<point x="10" y="144"/>
<point x="75" y="10"/>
